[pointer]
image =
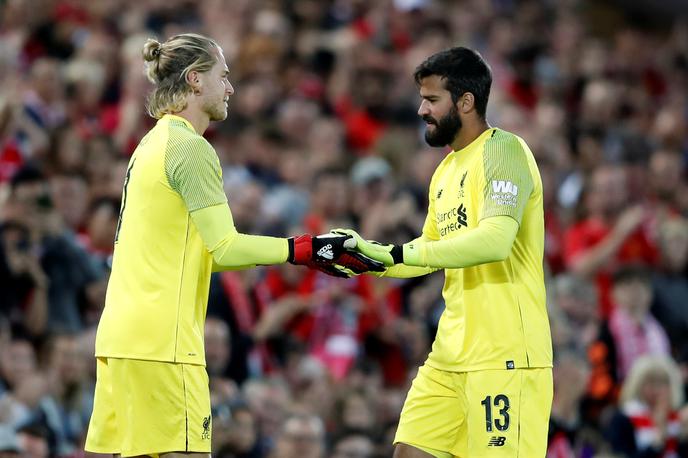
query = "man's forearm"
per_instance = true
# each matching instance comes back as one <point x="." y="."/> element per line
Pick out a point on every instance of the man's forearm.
<point x="593" y="259"/>
<point x="404" y="271"/>
<point x="491" y="241"/>
<point x="232" y="249"/>
<point x="220" y="268"/>
<point x="244" y="250"/>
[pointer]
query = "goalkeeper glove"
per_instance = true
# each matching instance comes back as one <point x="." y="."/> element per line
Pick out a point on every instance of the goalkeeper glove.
<point x="328" y="253"/>
<point x="386" y="254"/>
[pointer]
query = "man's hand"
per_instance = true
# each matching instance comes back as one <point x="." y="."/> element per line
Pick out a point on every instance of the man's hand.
<point x="629" y="221"/>
<point x="386" y="254"/>
<point x="328" y="253"/>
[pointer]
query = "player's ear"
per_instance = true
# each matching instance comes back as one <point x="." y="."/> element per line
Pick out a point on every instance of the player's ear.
<point x="466" y="102"/>
<point x="193" y="79"/>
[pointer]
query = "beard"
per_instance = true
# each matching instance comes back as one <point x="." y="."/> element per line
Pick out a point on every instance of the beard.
<point x="445" y="130"/>
<point x="216" y="111"/>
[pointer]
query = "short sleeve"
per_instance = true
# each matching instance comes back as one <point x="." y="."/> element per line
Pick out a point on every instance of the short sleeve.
<point x="193" y="170"/>
<point x="508" y="181"/>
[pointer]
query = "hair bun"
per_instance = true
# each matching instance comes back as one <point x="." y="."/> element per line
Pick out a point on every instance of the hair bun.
<point x="151" y="50"/>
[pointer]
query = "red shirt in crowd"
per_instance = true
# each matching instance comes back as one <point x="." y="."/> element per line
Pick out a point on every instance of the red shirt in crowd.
<point x="636" y="249"/>
<point x="362" y="129"/>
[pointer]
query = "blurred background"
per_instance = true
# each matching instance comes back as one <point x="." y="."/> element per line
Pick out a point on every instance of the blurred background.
<point x="323" y="133"/>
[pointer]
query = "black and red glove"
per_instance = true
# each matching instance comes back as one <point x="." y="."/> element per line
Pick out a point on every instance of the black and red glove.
<point x="328" y="253"/>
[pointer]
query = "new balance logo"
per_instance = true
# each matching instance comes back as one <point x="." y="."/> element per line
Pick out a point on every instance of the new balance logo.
<point x="326" y="252"/>
<point x="462" y="218"/>
<point x="504" y="187"/>
<point x="496" y="441"/>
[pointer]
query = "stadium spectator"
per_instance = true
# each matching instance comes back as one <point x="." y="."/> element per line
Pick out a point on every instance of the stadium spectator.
<point x="71" y="389"/>
<point x="236" y="434"/>
<point x="634" y="331"/>
<point x="73" y="277"/>
<point x="301" y="436"/>
<point x="353" y="445"/>
<point x="670" y="285"/>
<point x="610" y="234"/>
<point x="23" y="280"/>
<point x="575" y="312"/>
<point x="570" y="433"/>
<point x="647" y="423"/>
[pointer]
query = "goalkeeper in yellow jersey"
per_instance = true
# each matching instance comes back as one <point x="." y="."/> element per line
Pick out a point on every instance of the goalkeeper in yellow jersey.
<point x="174" y="229"/>
<point x="486" y="387"/>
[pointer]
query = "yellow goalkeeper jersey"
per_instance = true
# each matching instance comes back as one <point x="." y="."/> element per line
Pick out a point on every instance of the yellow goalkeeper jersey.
<point x="495" y="315"/>
<point x="158" y="290"/>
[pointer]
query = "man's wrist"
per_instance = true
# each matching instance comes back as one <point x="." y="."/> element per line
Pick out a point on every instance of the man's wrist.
<point x="300" y="249"/>
<point x="397" y="253"/>
<point x="411" y="254"/>
<point x="290" y="245"/>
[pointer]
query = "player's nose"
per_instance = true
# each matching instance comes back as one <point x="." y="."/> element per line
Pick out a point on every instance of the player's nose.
<point x="423" y="109"/>
<point x="229" y="89"/>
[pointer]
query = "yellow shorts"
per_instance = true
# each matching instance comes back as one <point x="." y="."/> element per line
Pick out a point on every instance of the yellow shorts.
<point x="149" y="407"/>
<point x="491" y="413"/>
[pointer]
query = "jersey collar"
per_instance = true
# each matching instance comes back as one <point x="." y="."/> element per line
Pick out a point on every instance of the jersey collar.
<point x="169" y="117"/>
<point x="477" y="140"/>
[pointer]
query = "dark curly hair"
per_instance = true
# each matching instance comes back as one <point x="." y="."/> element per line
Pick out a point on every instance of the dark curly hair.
<point x="463" y="70"/>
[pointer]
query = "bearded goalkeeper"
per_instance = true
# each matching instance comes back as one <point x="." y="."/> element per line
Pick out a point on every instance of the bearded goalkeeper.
<point x="486" y="387"/>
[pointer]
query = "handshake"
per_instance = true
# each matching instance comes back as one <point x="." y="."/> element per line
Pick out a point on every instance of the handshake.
<point x="342" y="253"/>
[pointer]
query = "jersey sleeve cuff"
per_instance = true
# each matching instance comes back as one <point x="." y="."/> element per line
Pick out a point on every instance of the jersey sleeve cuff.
<point x="413" y="253"/>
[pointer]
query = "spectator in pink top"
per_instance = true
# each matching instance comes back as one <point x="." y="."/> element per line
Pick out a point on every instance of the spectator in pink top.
<point x="635" y="332"/>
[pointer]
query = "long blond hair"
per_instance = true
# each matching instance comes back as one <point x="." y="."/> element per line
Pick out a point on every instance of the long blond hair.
<point x="167" y="65"/>
<point x="653" y="364"/>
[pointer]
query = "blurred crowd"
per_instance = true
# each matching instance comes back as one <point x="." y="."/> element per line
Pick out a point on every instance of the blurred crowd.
<point x="323" y="133"/>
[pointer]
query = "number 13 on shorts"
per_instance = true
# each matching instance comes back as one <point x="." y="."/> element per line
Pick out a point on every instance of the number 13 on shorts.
<point x="501" y="401"/>
<point x="488" y="413"/>
<point x="508" y="412"/>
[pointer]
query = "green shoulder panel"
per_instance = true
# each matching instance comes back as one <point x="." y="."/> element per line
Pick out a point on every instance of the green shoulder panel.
<point x="192" y="168"/>
<point x="508" y="180"/>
